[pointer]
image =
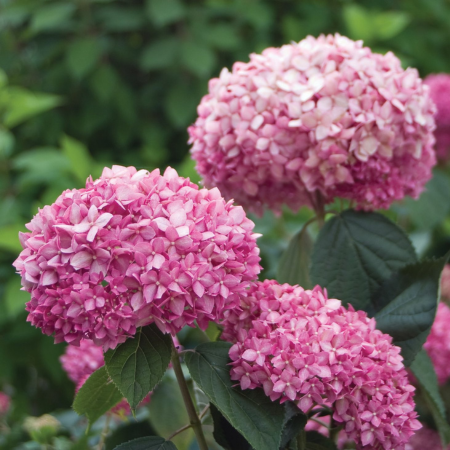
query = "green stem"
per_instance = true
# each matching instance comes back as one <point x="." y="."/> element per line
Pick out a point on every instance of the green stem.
<point x="190" y="408"/>
<point x="104" y="433"/>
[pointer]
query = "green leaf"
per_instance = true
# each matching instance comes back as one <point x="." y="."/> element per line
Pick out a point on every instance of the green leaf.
<point x="23" y="104"/>
<point x="97" y="396"/>
<point x="355" y="252"/>
<point x="317" y="441"/>
<point x="147" y="443"/>
<point x="167" y="412"/>
<point x="251" y="412"/>
<point x="82" y="55"/>
<point x="6" y="143"/>
<point x="432" y="207"/>
<point x="9" y="238"/>
<point x="295" y="261"/>
<point x="406" y="305"/>
<point x="388" y="24"/>
<point x="223" y="36"/>
<point x="164" y="12"/>
<point x="180" y="105"/>
<point x="52" y="16"/>
<point x="104" y="82"/>
<point x="121" y="19"/>
<point x="295" y="422"/>
<point x="80" y="160"/>
<point x="197" y="58"/>
<point x="138" y="365"/>
<point x="359" y="22"/>
<point x="423" y="370"/>
<point x="225" y="435"/>
<point x="14" y="298"/>
<point x="160" y="54"/>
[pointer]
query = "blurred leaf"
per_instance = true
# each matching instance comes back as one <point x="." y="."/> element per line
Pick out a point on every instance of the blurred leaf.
<point x="406" y="305"/>
<point x="97" y="396"/>
<point x="180" y="104"/>
<point x="52" y="17"/>
<point x="9" y="238"/>
<point x="296" y="260"/>
<point x="82" y="55"/>
<point x="14" y="298"/>
<point x="390" y="23"/>
<point x="6" y="143"/>
<point x="355" y="253"/>
<point x="121" y="18"/>
<point x="160" y="54"/>
<point x="164" y="12"/>
<point x="147" y="443"/>
<point x="104" y="82"/>
<point x="198" y="58"/>
<point x="79" y="157"/>
<point x="251" y="412"/>
<point x="359" y="22"/>
<point x="433" y="206"/>
<point x="223" y="36"/>
<point x="292" y="29"/>
<point x="423" y="370"/>
<point x="23" y="104"/>
<point x="138" y="365"/>
<point x="168" y="413"/>
<point x="187" y="169"/>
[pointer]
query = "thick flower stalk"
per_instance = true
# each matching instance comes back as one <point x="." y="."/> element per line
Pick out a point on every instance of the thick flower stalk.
<point x="80" y="362"/>
<point x="134" y="248"/>
<point x="439" y="85"/>
<point x="437" y="344"/>
<point x="298" y="345"/>
<point x="323" y="116"/>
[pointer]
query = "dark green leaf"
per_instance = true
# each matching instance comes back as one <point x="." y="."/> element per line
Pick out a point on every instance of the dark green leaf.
<point x="80" y="160"/>
<point x="180" y="104"/>
<point x="52" y="17"/>
<point x="138" y="365"/>
<point x="432" y="207"/>
<point x="147" y="443"/>
<point x="355" y="252"/>
<point x="295" y="262"/>
<point x="406" y="305"/>
<point x="423" y="369"/>
<point x="160" y="54"/>
<point x="6" y="143"/>
<point x="197" y="58"/>
<point x="82" y="55"/>
<point x="163" y="12"/>
<point x="104" y="82"/>
<point x="225" y="435"/>
<point x="295" y="422"/>
<point x="167" y="412"/>
<point x="120" y="19"/>
<point x="97" y="396"/>
<point x="317" y="441"/>
<point x="251" y="412"/>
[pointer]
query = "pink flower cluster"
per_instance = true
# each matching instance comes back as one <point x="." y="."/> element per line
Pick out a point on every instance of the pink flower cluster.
<point x="323" y="115"/>
<point x="133" y="248"/>
<point x="299" y="345"/>
<point x="438" y="343"/>
<point x="439" y="85"/>
<point x="445" y="283"/>
<point x="5" y="403"/>
<point x="80" y="362"/>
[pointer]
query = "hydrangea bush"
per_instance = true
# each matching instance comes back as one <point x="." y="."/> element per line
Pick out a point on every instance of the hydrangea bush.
<point x="117" y="268"/>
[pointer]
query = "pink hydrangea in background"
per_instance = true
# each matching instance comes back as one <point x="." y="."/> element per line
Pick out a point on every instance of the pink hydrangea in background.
<point x="298" y="345"/>
<point x="437" y="344"/>
<point x="80" y="362"/>
<point x="133" y="248"/>
<point x="445" y="283"/>
<point x="425" y="439"/>
<point x="439" y="85"/>
<point x="5" y="403"/>
<point x="324" y="116"/>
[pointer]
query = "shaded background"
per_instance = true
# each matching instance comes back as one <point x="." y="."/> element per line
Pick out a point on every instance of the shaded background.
<point x="90" y="83"/>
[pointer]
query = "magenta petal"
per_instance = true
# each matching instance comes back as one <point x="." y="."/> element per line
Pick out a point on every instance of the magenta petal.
<point x="81" y="260"/>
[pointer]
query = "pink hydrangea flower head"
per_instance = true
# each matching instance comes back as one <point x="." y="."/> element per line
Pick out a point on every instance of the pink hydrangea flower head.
<point x="425" y="438"/>
<point x="134" y="248"/>
<point x="439" y="85"/>
<point x="437" y="344"/>
<point x="325" y="115"/>
<point x="445" y="283"/>
<point x="304" y="347"/>
<point x="79" y="362"/>
<point x="5" y="403"/>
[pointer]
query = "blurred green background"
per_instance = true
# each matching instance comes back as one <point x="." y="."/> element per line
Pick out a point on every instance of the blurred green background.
<point x="89" y="83"/>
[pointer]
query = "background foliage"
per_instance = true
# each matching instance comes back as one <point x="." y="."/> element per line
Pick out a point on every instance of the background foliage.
<point x="89" y="83"/>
